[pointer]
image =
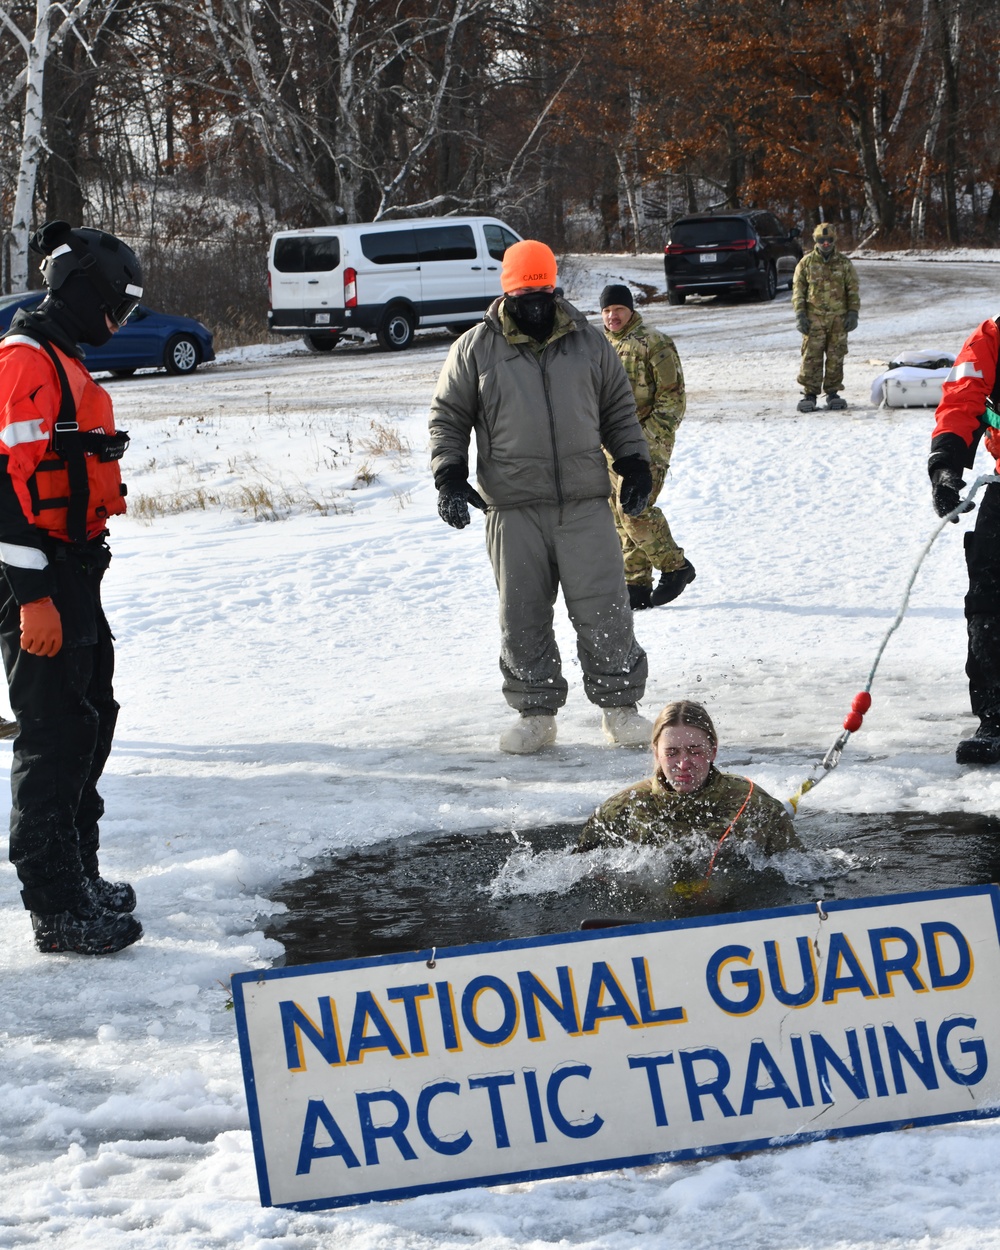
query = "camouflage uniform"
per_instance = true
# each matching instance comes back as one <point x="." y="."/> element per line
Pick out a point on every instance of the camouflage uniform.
<point x="824" y="289"/>
<point x="653" y="367"/>
<point x="652" y="813"/>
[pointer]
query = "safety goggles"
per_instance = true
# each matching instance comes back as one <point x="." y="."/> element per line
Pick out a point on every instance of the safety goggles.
<point x="125" y="306"/>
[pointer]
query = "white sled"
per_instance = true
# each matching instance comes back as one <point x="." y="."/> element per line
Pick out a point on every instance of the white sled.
<point x="913" y="380"/>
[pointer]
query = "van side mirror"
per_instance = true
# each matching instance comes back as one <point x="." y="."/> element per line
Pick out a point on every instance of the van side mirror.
<point x="795" y="232"/>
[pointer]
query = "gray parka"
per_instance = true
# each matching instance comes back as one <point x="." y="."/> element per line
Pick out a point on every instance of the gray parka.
<point x="540" y="416"/>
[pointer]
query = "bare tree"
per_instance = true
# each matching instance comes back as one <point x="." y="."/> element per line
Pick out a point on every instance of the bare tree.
<point x="37" y="44"/>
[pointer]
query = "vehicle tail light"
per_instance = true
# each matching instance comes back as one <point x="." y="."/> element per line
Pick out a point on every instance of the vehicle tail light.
<point x="270" y="302"/>
<point x="735" y="245"/>
<point x="350" y="288"/>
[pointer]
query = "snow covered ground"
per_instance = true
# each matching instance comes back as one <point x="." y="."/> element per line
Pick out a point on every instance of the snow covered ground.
<point x="307" y="660"/>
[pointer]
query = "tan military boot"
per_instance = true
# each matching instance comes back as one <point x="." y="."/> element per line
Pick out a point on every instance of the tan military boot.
<point x="625" y="727"/>
<point x="529" y="734"/>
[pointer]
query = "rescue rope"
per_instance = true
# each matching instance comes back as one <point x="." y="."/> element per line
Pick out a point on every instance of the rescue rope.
<point x="690" y="889"/>
<point x="732" y="823"/>
<point x="863" y="700"/>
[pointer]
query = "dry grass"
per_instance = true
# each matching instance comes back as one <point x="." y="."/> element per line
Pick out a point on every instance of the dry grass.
<point x="365" y="475"/>
<point x="149" y="507"/>
<point x="250" y="487"/>
<point x="385" y="440"/>
<point x="256" y="499"/>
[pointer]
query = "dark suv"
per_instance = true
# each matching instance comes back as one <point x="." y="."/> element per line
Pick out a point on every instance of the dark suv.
<point x="746" y="252"/>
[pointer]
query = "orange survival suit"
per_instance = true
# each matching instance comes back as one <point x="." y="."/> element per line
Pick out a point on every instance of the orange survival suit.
<point x="966" y="414"/>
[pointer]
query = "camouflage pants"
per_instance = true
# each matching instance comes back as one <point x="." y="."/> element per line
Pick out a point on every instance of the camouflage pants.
<point x="828" y="337"/>
<point x="646" y="540"/>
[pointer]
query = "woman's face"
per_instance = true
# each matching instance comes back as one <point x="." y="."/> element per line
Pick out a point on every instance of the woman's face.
<point x="684" y="755"/>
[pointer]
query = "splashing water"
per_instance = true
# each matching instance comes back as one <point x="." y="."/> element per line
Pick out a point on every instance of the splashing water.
<point x="450" y="889"/>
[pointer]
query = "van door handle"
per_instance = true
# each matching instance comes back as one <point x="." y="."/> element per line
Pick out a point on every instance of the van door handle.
<point x="312" y="281"/>
<point x="492" y="268"/>
<point x="477" y="268"/>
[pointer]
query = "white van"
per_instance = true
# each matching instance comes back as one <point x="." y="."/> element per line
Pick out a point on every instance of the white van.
<point x="384" y="277"/>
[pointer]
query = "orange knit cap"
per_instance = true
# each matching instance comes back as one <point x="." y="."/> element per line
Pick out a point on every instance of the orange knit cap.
<point x="528" y="263"/>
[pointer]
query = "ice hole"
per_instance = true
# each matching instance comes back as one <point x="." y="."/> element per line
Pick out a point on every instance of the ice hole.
<point x="438" y="889"/>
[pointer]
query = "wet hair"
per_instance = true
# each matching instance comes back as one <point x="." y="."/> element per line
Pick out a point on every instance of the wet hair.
<point x="685" y="712"/>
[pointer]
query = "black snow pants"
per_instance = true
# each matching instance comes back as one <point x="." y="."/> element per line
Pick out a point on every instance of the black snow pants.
<point x="66" y="714"/>
<point x="982" y="608"/>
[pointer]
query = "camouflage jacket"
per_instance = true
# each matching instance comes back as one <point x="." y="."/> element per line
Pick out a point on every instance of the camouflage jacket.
<point x="654" y="814"/>
<point x="653" y="368"/>
<point x="825" y="286"/>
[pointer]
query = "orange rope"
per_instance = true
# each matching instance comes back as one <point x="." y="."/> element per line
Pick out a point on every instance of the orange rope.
<point x="718" y="845"/>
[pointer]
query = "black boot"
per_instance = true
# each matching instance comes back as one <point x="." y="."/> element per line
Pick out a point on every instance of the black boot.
<point x="87" y="930"/>
<point x="672" y="584"/>
<point x="112" y="895"/>
<point x="983" y="747"/>
<point x="639" y="597"/>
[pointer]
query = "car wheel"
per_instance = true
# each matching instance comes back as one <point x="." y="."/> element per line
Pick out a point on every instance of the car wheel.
<point x="321" y="342"/>
<point x="182" y="354"/>
<point x="770" y="287"/>
<point x="675" y="297"/>
<point x="395" y="330"/>
<point x="122" y="373"/>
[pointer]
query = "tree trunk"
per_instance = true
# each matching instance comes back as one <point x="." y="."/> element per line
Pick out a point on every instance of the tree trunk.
<point x="31" y="147"/>
<point x="948" y="26"/>
<point x="993" y="210"/>
<point x="69" y="85"/>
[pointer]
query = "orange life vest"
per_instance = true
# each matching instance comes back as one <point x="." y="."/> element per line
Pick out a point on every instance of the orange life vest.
<point x="76" y="484"/>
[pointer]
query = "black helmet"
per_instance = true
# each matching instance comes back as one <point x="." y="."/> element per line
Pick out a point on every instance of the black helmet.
<point x="110" y="265"/>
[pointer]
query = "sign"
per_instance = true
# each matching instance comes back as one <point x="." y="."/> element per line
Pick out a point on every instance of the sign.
<point x="400" y="1075"/>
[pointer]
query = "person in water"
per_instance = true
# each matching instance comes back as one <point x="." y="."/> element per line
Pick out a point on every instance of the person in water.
<point x="687" y="802"/>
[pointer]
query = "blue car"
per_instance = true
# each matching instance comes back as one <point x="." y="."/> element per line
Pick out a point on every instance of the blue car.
<point x="148" y="340"/>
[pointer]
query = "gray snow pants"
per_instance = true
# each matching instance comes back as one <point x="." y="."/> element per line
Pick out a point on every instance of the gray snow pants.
<point x="534" y="551"/>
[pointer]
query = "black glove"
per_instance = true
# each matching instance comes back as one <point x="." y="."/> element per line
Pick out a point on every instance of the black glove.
<point x="802" y="323"/>
<point x="454" y="498"/>
<point x="946" y="482"/>
<point x="637" y="484"/>
<point x="851" y="320"/>
<point x="947" y="459"/>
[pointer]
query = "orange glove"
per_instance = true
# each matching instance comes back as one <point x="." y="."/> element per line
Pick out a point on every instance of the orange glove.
<point x="41" y="628"/>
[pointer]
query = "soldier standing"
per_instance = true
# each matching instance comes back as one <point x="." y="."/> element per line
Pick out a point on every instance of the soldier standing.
<point x="826" y="302"/>
<point x="544" y="392"/>
<point x="653" y="367"/>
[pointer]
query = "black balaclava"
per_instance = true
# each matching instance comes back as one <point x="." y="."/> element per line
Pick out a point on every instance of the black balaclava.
<point x="79" y="309"/>
<point x="534" y="313"/>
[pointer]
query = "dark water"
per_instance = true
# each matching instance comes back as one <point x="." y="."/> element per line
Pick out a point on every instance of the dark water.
<point x="433" y="889"/>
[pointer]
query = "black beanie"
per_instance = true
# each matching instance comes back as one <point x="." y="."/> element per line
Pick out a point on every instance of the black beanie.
<point x="617" y="294"/>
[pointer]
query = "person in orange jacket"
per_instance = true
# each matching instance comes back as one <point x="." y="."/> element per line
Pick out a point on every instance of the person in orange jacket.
<point x="59" y="484"/>
<point x="968" y="411"/>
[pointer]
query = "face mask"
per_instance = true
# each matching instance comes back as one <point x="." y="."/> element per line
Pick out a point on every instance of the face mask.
<point x="79" y="309"/>
<point x="534" y="313"/>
